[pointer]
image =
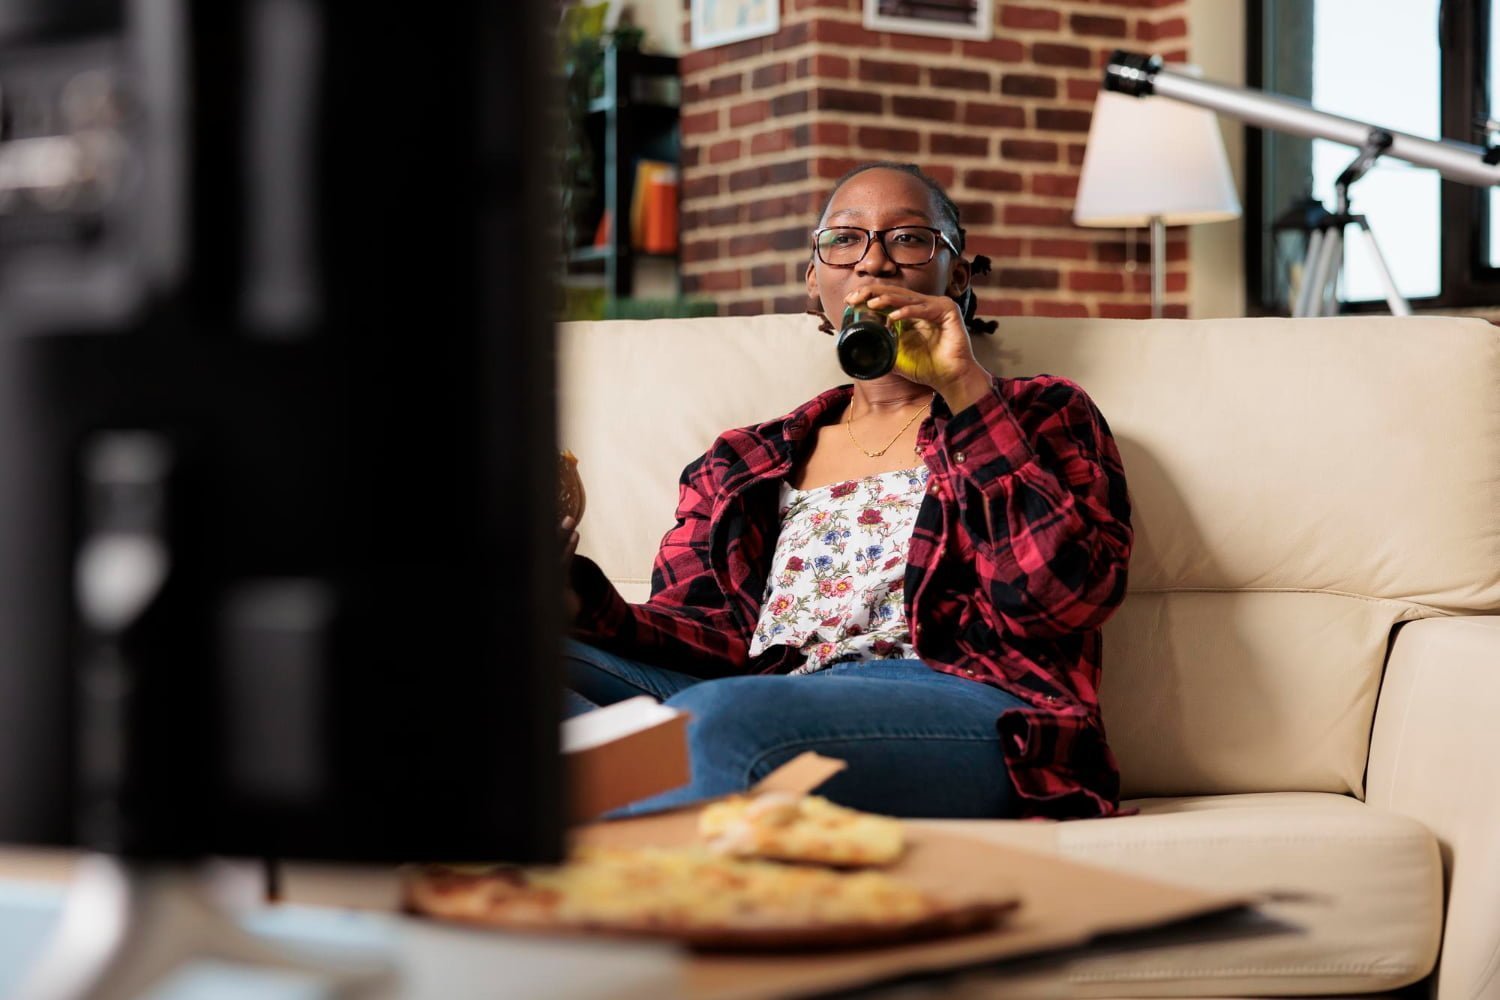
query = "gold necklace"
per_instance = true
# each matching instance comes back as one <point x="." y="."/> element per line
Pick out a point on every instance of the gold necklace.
<point x="849" y="423"/>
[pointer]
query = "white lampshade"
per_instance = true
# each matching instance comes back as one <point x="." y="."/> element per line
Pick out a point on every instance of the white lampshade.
<point x="1153" y="157"/>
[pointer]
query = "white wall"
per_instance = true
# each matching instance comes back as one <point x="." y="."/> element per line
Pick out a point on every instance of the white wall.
<point x="1216" y="282"/>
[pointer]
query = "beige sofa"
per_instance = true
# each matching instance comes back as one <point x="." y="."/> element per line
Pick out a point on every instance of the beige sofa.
<point x="1303" y="685"/>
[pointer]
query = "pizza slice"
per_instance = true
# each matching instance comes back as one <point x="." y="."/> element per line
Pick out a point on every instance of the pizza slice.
<point x="696" y="898"/>
<point x="805" y="828"/>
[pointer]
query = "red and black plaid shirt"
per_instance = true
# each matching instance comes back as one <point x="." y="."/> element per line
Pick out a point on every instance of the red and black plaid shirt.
<point x="1018" y="556"/>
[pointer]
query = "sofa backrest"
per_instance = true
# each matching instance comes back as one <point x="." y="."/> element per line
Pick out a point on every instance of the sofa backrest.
<point x="1300" y="487"/>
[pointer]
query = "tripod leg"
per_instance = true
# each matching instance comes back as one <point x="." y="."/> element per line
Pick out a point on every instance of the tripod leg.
<point x="1329" y="265"/>
<point x="1302" y="306"/>
<point x="1317" y="275"/>
<point x="1393" y="297"/>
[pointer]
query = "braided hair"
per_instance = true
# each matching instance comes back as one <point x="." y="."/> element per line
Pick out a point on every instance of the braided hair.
<point x="948" y="213"/>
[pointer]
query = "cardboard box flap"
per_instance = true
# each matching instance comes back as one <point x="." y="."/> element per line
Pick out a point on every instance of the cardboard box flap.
<point x="1064" y="904"/>
<point x="800" y="775"/>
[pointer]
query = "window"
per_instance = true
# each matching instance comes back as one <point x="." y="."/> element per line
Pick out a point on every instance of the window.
<point x="1425" y="67"/>
<point x="1490" y="110"/>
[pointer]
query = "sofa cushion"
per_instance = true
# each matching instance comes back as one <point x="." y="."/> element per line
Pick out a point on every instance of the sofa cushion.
<point x="1296" y="489"/>
<point x="1243" y="690"/>
<point x="1364" y="885"/>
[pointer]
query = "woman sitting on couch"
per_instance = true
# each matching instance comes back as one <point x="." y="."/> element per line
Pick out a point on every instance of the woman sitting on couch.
<point x="908" y="574"/>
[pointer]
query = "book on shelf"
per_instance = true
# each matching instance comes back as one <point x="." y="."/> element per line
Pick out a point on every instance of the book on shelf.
<point x="653" y="207"/>
<point x="605" y="229"/>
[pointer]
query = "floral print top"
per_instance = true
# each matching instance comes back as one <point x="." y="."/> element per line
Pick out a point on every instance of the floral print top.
<point x="835" y="590"/>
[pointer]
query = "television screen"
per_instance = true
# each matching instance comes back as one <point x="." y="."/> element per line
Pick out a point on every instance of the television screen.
<point x="278" y="557"/>
<point x="52" y="20"/>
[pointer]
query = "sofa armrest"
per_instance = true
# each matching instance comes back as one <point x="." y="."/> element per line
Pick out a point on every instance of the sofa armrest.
<point x="1435" y="756"/>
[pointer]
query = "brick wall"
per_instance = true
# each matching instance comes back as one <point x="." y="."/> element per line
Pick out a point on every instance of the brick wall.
<point x="769" y="123"/>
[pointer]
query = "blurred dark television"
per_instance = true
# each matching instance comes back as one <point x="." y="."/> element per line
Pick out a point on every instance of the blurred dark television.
<point x="278" y="557"/>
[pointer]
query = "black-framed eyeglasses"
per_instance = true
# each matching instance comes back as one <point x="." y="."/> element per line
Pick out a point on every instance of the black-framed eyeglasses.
<point x="904" y="246"/>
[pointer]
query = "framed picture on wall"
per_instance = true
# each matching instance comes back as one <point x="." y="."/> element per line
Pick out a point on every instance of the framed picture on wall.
<point x="945" y="18"/>
<point x="719" y="22"/>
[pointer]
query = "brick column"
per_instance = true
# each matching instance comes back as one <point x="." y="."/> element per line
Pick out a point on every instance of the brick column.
<point x="769" y="123"/>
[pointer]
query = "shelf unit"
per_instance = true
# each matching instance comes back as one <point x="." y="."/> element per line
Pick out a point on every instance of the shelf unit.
<point x="635" y="118"/>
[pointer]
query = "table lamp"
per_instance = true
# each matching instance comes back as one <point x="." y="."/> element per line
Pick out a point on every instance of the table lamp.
<point x="1157" y="162"/>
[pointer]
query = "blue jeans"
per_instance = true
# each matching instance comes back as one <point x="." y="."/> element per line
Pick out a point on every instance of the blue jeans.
<point x="918" y="742"/>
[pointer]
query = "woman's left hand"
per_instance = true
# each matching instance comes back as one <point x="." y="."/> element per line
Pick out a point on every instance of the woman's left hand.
<point x="934" y="349"/>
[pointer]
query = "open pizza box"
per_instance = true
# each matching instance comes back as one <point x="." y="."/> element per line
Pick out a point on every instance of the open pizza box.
<point x="1063" y="904"/>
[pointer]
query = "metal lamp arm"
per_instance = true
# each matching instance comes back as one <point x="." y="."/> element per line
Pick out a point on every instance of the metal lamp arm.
<point x="1139" y="75"/>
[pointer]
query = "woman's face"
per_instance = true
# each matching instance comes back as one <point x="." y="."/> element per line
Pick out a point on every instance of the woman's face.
<point x="882" y="199"/>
